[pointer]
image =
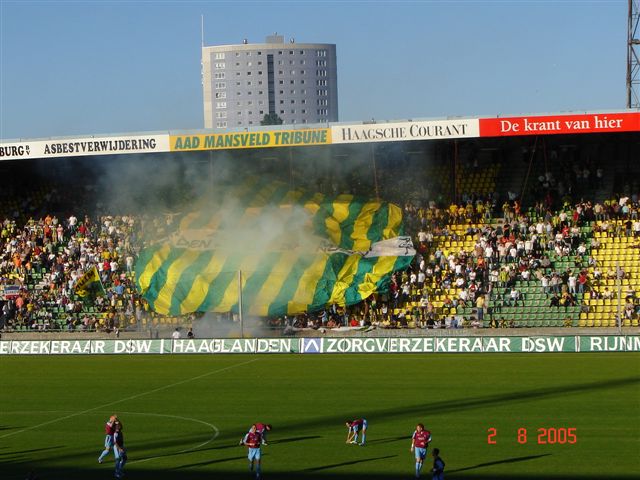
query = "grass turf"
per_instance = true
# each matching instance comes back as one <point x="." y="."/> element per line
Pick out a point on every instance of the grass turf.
<point x="184" y="415"/>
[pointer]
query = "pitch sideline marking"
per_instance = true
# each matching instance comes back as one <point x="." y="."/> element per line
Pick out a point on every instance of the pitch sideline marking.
<point x="138" y="395"/>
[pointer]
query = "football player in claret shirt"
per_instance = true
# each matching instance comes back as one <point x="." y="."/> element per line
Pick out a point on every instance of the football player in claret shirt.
<point x="109" y="429"/>
<point x="353" y="428"/>
<point x="262" y="429"/>
<point x="253" y="440"/>
<point x="419" y="443"/>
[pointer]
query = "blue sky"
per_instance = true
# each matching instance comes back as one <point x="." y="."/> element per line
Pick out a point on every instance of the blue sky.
<point x="91" y="67"/>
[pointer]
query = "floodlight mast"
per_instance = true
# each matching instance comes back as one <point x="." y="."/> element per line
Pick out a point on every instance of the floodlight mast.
<point x="633" y="56"/>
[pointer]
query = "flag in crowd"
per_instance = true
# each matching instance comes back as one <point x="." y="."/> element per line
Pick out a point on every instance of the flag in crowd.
<point x="297" y="251"/>
<point x="89" y="285"/>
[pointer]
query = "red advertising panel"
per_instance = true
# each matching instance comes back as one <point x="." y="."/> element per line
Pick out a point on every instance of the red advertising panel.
<point x="560" y="124"/>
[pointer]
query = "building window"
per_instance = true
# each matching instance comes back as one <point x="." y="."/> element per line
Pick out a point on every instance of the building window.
<point x="260" y="92"/>
<point x="301" y="62"/>
<point x="248" y="73"/>
<point x="261" y="112"/>
<point x="219" y="55"/>
<point x="249" y="83"/>
<point x="249" y="64"/>
<point x="221" y="85"/>
<point x="220" y="65"/>
<point x="282" y="111"/>
<point x="248" y="54"/>
<point x="221" y="124"/>
<point x="280" y="52"/>
<point x="301" y="52"/>
<point x="259" y="72"/>
<point x="237" y="64"/>
<point x="237" y="54"/>
<point x="221" y="104"/>
<point x="304" y="111"/>
<point x="221" y="114"/>
<point x="293" y="72"/>
<point x="218" y="75"/>
<point x="321" y="53"/>
<point x="281" y="92"/>
<point x="304" y="120"/>
<point x="303" y="101"/>
<point x="280" y="82"/>
<point x="302" y="81"/>
<point x="221" y="94"/>
<point x="259" y="53"/>
<point x="260" y="63"/>
<point x="280" y="72"/>
<point x="321" y="63"/>
<point x="238" y="84"/>
<point x="281" y="102"/>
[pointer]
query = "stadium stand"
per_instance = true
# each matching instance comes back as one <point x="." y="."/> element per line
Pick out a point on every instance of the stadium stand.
<point x="484" y="259"/>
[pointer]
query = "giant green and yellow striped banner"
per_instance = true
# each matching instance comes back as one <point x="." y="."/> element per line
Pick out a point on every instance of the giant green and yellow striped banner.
<point x="297" y="252"/>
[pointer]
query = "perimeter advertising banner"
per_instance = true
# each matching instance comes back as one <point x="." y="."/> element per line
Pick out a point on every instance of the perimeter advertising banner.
<point x="77" y="147"/>
<point x="235" y="140"/>
<point x="583" y="123"/>
<point x="324" y="345"/>
<point x="408" y="130"/>
<point x="560" y="124"/>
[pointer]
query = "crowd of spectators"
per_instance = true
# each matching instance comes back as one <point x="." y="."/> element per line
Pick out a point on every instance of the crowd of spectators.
<point x="46" y="256"/>
<point x="500" y="246"/>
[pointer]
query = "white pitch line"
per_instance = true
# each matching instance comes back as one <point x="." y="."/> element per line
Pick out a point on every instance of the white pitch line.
<point x="189" y="419"/>
<point x="159" y="389"/>
<point x="215" y="429"/>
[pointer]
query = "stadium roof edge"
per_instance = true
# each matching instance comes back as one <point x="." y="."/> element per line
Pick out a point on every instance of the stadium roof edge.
<point x="259" y="128"/>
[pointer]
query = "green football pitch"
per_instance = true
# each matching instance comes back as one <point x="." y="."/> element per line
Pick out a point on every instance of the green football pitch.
<point x="500" y="416"/>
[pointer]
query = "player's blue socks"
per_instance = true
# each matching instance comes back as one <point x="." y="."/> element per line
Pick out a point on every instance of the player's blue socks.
<point x="363" y="438"/>
<point x="418" y="468"/>
<point x="258" y="471"/>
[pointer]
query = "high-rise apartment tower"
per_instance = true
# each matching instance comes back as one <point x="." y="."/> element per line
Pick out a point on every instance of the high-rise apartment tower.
<point x="243" y="83"/>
